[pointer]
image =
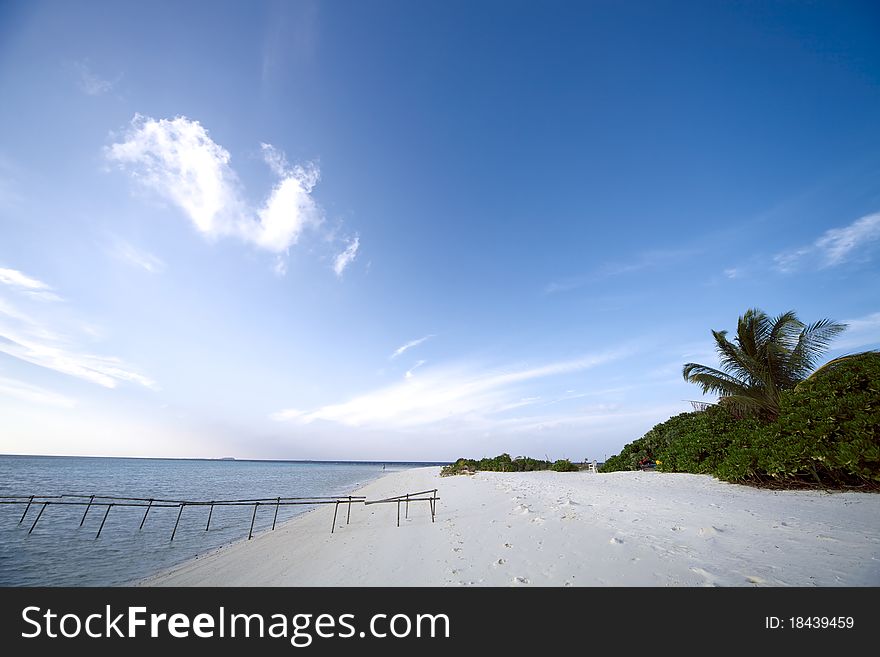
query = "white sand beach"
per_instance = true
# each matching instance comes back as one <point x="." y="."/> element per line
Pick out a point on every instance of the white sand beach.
<point x="563" y="529"/>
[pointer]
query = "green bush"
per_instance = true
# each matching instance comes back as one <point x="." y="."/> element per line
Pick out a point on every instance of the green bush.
<point x="503" y="463"/>
<point x="564" y="465"/>
<point x="827" y="434"/>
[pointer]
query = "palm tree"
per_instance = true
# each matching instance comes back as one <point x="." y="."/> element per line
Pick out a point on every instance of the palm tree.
<point x="767" y="356"/>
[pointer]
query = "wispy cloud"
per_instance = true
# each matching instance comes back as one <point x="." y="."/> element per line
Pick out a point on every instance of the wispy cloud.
<point x="463" y="396"/>
<point x="834" y="247"/>
<point x="860" y="332"/>
<point x="409" y="345"/>
<point x="645" y="261"/>
<point x="15" y="278"/>
<point x="137" y="257"/>
<point x="89" y="82"/>
<point x="33" y="394"/>
<point x="345" y="258"/>
<point x="106" y="371"/>
<point x="33" y="341"/>
<point x="26" y="285"/>
<point x="409" y="372"/>
<point x="733" y="272"/>
<point x="178" y="160"/>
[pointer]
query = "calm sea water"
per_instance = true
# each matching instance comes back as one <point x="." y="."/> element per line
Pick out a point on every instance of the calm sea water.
<point x="61" y="553"/>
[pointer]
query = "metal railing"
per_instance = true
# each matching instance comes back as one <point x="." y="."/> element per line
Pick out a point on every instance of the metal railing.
<point x="150" y="503"/>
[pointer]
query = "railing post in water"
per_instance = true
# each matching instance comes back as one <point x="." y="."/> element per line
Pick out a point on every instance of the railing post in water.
<point x="179" y="513"/>
<point x="144" y="519"/>
<point x="26" y="509"/>
<point x="253" y="517"/>
<point x="277" y="503"/>
<point x="88" y="506"/>
<point x="45" y="504"/>
<point x="210" y="513"/>
<point x="106" y="513"/>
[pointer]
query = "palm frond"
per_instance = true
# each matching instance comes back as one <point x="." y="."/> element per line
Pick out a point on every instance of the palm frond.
<point x="766" y="357"/>
<point x="712" y="380"/>
<point x="812" y="342"/>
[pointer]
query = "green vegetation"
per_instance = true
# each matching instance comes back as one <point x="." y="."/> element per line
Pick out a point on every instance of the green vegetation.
<point x="825" y="432"/>
<point x="767" y="357"/>
<point x="503" y="463"/>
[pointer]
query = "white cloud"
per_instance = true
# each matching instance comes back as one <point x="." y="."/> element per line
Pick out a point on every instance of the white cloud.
<point x="860" y="332"/>
<point x="33" y="394"/>
<point x="655" y="259"/>
<point x="27" y="286"/>
<point x="276" y="160"/>
<point x="16" y="279"/>
<point x="410" y="345"/>
<point x="138" y="257"/>
<point x="345" y="258"/>
<point x="409" y="372"/>
<point x="90" y="83"/>
<point x="178" y="160"/>
<point x="287" y="414"/>
<point x="30" y="340"/>
<point x="287" y="211"/>
<point x="835" y="246"/>
<point x="105" y="371"/>
<point x="732" y="273"/>
<point x="280" y="266"/>
<point x="458" y="396"/>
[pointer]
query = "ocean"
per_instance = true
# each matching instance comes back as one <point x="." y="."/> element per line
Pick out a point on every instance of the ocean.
<point x="60" y="552"/>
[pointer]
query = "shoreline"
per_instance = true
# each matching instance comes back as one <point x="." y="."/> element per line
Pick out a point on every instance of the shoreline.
<point x="562" y="529"/>
<point x="171" y="570"/>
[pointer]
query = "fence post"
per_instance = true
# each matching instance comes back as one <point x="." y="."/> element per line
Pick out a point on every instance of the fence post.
<point x="106" y="513"/>
<point x="253" y="517"/>
<point x="144" y="519"/>
<point x="26" y="509"/>
<point x="179" y="513"/>
<point x="45" y="504"/>
<point x="85" y="513"/>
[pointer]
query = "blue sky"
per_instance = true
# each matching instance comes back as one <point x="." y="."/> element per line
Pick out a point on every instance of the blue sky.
<point x="395" y="230"/>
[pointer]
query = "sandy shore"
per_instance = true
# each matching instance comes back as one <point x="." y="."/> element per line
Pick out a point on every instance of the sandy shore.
<point x="563" y="529"/>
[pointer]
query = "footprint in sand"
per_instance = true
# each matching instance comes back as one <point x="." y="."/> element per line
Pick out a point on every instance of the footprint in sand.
<point x="499" y="562"/>
<point x="616" y="541"/>
<point x="755" y="580"/>
<point x="710" y="531"/>
<point x="520" y="580"/>
<point x="538" y="521"/>
<point x="710" y="579"/>
<point x="508" y="545"/>
<point x="521" y="508"/>
<point x="456" y="549"/>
